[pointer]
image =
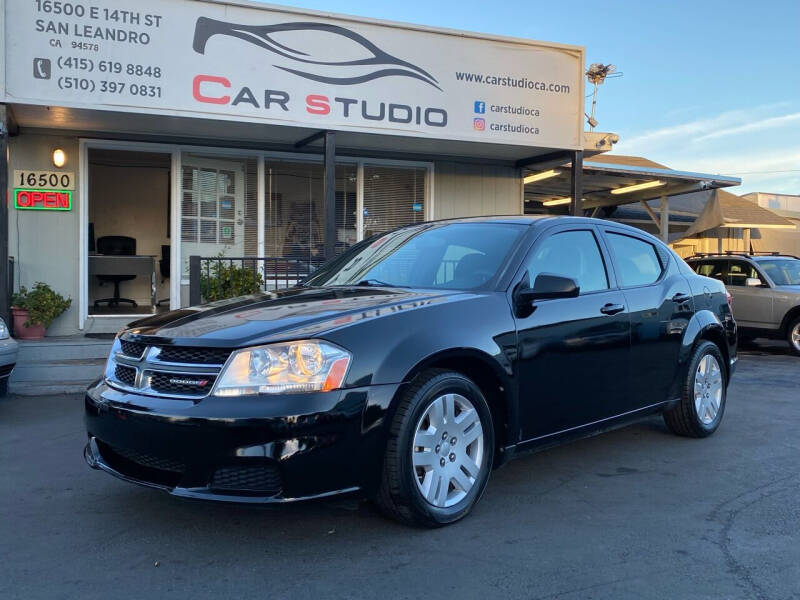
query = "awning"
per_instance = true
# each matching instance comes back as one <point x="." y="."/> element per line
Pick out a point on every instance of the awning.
<point x="723" y="209"/>
<point x="614" y="180"/>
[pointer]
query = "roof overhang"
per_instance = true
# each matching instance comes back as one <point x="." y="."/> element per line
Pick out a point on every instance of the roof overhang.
<point x="211" y="132"/>
<point x="600" y="179"/>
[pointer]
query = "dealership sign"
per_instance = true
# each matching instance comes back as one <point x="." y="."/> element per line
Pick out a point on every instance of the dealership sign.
<point x="43" y="199"/>
<point x="246" y="62"/>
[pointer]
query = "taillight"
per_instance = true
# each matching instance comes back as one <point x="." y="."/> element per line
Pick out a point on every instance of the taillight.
<point x="730" y="299"/>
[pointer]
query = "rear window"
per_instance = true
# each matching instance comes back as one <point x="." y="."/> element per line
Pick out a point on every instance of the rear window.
<point x="637" y="260"/>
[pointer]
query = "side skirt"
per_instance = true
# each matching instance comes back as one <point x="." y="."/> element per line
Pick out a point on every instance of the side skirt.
<point x="558" y="438"/>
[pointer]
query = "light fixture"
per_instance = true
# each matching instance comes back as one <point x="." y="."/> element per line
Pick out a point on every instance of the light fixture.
<point x="638" y="186"/>
<point x="59" y="157"/>
<point x="557" y="201"/>
<point x="540" y="176"/>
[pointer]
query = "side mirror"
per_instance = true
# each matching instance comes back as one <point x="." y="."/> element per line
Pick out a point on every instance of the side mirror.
<point x="752" y="282"/>
<point x="546" y="287"/>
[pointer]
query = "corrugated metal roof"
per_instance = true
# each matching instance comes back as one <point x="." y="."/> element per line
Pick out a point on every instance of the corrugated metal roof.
<point x="628" y="161"/>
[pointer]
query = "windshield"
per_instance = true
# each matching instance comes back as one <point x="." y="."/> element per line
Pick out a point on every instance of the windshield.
<point x="455" y="256"/>
<point x="782" y="272"/>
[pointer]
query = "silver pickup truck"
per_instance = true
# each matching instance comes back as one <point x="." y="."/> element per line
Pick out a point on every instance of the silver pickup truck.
<point x="765" y="290"/>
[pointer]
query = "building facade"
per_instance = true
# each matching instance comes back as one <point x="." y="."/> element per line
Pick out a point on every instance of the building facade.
<point x="141" y="133"/>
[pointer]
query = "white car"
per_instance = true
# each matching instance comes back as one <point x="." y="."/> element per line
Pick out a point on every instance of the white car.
<point x="8" y="357"/>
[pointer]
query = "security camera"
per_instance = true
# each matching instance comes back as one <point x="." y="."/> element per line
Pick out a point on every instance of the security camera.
<point x="613" y="138"/>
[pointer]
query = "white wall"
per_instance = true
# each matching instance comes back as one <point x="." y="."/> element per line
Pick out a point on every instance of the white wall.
<point x="44" y="244"/>
<point x="473" y="189"/>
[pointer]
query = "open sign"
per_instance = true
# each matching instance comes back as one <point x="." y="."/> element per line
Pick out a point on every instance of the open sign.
<point x="42" y="199"/>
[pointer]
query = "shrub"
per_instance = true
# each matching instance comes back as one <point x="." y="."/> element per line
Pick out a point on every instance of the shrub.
<point x="223" y="281"/>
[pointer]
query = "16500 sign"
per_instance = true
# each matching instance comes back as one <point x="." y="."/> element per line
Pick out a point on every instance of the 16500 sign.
<point x="64" y="180"/>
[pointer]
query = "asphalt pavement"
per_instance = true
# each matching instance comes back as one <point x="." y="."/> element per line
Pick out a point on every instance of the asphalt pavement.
<point x="635" y="513"/>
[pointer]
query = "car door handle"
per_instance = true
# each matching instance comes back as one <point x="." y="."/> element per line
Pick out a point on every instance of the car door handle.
<point x="612" y="309"/>
<point x="680" y="297"/>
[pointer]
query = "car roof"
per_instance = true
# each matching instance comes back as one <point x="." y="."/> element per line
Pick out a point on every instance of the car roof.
<point x="741" y="257"/>
<point x="531" y="220"/>
<point x="773" y="257"/>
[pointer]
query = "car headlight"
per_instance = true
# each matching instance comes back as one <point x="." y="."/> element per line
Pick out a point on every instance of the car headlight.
<point x="4" y="335"/>
<point x="291" y="367"/>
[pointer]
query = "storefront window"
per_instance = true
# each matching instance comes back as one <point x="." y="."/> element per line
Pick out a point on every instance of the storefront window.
<point x="219" y="213"/>
<point x="294" y="215"/>
<point x="393" y="197"/>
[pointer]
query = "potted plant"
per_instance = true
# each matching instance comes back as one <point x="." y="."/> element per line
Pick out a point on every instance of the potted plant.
<point x="34" y="310"/>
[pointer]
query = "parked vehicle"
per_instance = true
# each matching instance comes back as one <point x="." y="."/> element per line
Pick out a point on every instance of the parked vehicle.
<point x="8" y="356"/>
<point x="410" y="366"/>
<point x="765" y="290"/>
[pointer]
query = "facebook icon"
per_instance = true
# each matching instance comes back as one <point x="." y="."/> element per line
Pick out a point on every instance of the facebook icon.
<point x="480" y="107"/>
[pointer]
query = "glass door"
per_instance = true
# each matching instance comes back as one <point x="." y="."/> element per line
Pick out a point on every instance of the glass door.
<point x="212" y="207"/>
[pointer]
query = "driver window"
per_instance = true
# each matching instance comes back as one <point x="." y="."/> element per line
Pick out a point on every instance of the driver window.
<point x="572" y="254"/>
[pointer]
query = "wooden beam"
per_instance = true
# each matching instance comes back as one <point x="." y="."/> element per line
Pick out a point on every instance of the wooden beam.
<point x="651" y="212"/>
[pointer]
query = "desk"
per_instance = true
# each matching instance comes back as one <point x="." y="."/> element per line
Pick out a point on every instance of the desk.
<point x="107" y="264"/>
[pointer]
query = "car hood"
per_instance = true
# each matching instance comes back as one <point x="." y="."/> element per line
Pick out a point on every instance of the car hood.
<point x="792" y="289"/>
<point x="287" y="314"/>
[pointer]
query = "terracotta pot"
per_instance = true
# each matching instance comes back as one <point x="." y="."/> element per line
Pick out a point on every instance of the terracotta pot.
<point x="34" y="332"/>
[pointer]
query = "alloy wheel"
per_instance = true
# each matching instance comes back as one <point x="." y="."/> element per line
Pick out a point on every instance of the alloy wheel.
<point x="448" y="450"/>
<point x="794" y="337"/>
<point x="707" y="389"/>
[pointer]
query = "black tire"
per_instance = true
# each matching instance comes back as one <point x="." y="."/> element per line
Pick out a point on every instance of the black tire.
<point x="399" y="496"/>
<point x="794" y="327"/>
<point x="682" y="419"/>
<point x="3" y="386"/>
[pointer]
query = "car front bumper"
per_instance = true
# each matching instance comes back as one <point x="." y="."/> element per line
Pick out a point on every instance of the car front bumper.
<point x="259" y="449"/>
<point x="8" y="356"/>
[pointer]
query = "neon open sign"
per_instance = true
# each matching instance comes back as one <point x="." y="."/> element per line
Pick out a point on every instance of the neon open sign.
<point x="43" y="199"/>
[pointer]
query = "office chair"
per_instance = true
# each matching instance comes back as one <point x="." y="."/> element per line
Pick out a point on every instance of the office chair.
<point x="163" y="268"/>
<point x="115" y="245"/>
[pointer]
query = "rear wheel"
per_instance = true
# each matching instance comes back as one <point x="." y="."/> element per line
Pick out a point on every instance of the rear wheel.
<point x="793" y="336"/>
<point x="439" y="453"/>
<point x="702" y="404"/>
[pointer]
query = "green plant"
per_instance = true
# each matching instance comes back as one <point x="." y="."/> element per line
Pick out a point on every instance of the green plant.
<point x="42" y="303"/>
<point x="223" y="281"/>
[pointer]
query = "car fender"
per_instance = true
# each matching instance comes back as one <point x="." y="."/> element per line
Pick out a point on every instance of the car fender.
<point x="704" y="325"/>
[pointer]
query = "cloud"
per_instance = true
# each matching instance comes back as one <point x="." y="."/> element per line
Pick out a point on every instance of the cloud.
<point x="726" y="123"/>
<point x="757" y="144"/>
<point x="751" y="127"/>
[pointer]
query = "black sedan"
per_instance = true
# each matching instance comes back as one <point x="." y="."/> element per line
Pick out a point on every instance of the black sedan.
<point x="415" y="363"/>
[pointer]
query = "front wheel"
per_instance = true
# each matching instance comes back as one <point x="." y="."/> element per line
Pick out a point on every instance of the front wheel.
<point x="702" y="404"/>
<point x="793" y="336"/>
<point x="439" y="453"/>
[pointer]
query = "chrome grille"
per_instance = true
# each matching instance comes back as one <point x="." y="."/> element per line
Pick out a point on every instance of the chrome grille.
<point x="132" y="349"/>
<point x="181" y="384"/>
<point x="200" y="356"/>
<point x="125" y="375"/>
<point x="183" y="372"/>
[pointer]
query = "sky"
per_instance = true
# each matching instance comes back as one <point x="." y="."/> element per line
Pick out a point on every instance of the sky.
<point x="708" y="85"/>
